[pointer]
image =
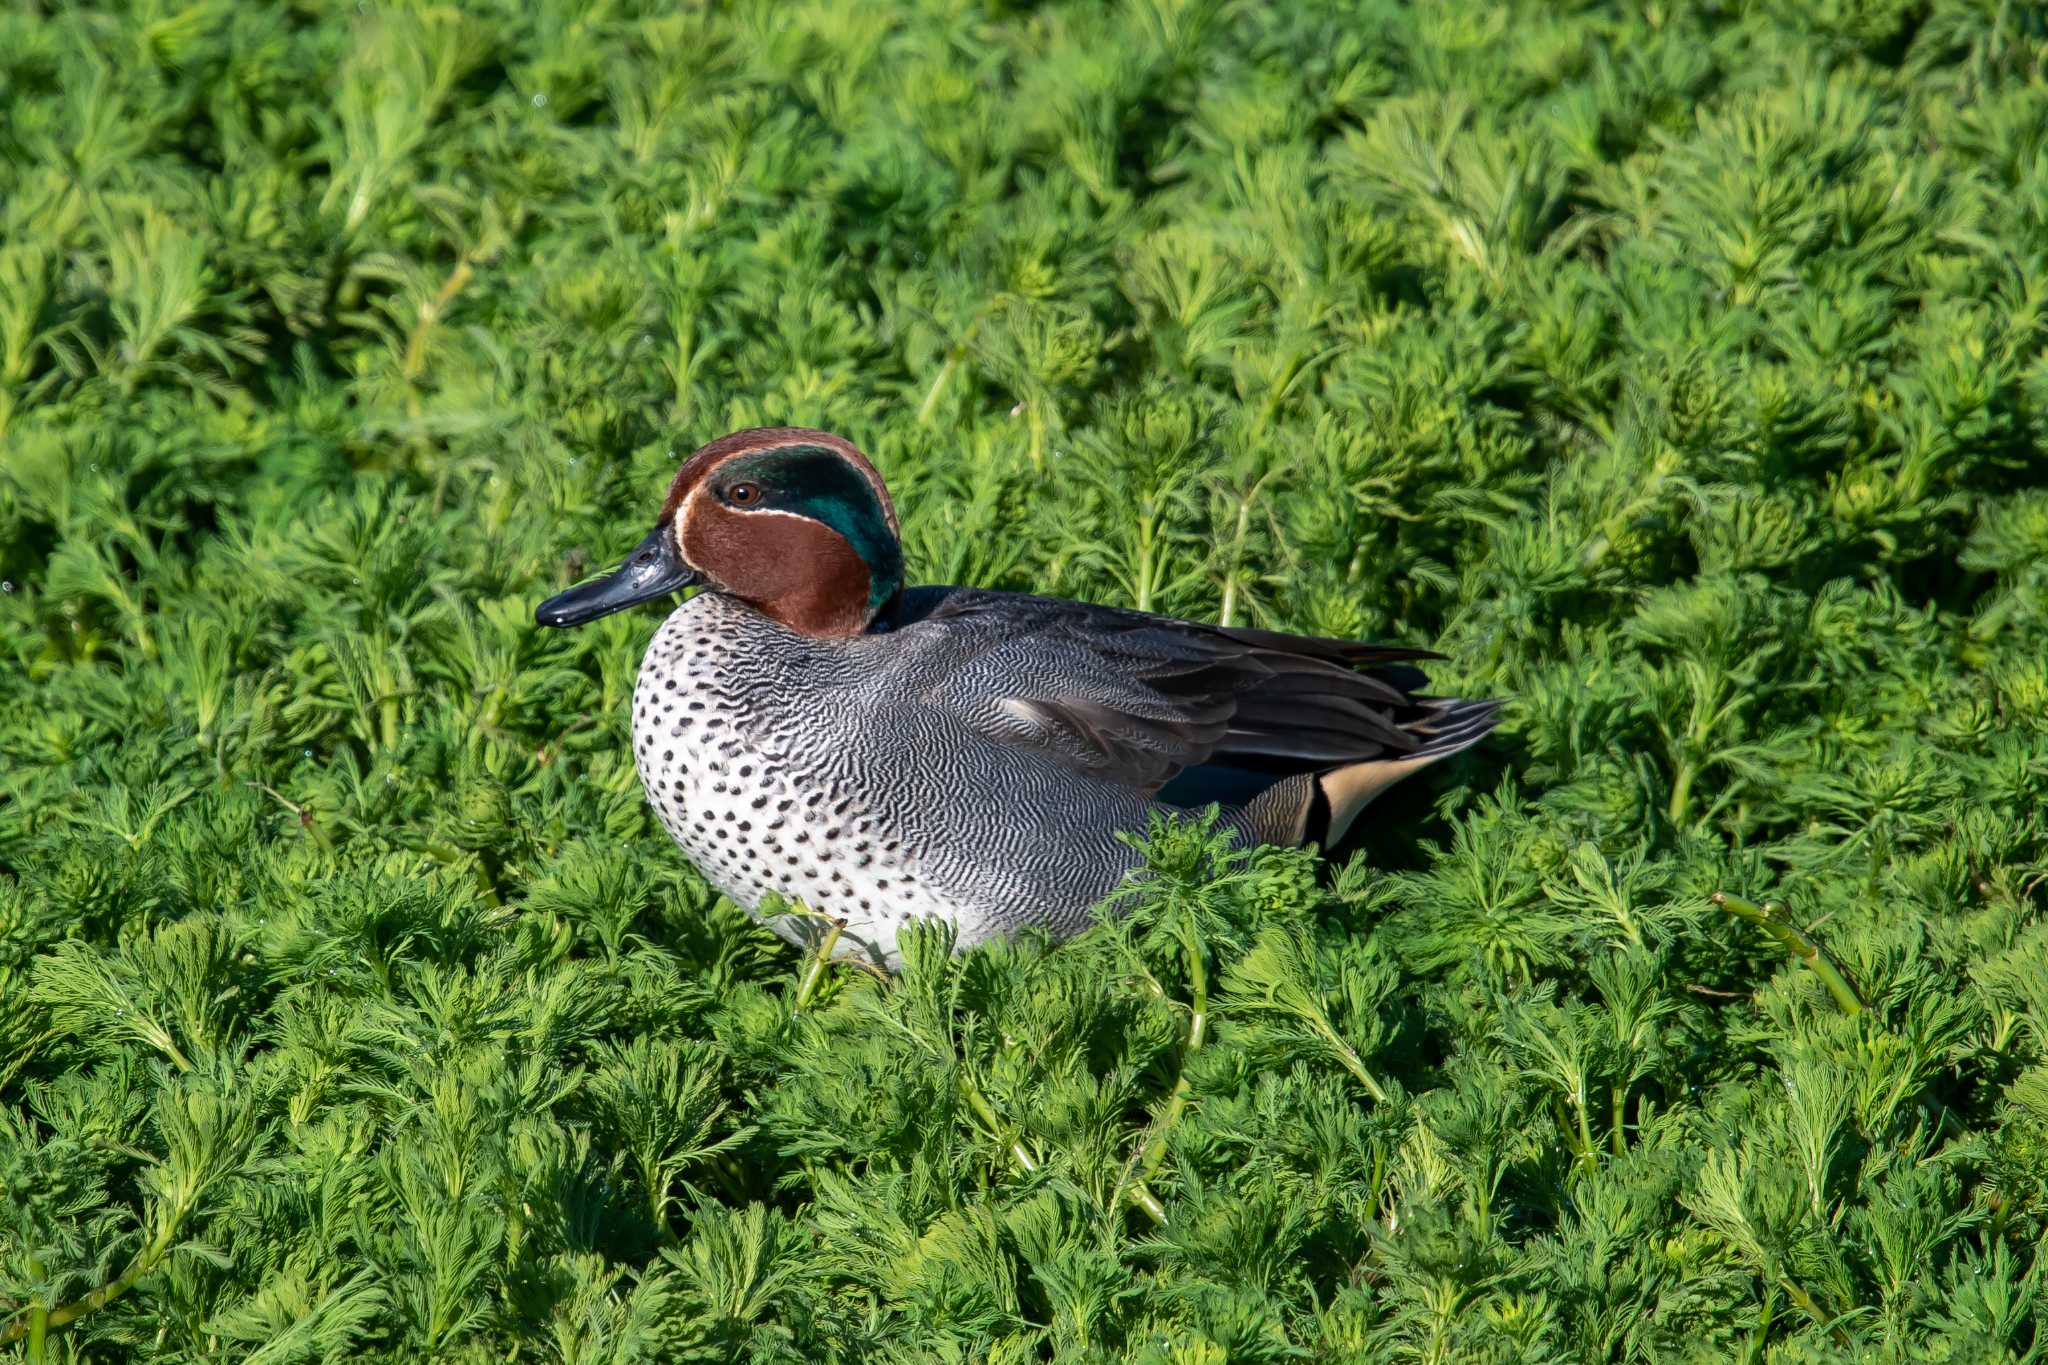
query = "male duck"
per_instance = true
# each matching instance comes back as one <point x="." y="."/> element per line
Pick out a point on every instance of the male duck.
<point x="808" y="726"/>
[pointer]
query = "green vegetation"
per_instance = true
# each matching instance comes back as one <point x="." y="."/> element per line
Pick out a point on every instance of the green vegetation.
<point x="1677" y="368"/>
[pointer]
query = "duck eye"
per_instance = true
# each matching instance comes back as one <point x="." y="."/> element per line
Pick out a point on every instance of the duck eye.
<point x="743" y="494"/>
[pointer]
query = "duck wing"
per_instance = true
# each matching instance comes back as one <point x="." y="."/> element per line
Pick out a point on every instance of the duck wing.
<point x="1135" y="698"/>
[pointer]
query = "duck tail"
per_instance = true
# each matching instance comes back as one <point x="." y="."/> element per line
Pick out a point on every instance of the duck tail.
<point x="1319" y="808"/>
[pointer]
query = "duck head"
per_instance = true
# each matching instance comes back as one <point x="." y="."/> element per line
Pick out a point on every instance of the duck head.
<point x="795" y="523"/>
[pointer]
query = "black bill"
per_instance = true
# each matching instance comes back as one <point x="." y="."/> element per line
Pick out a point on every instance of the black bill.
<point x="653" y="570"/>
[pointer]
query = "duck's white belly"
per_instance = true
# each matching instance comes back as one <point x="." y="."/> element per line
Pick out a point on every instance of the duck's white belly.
<point x="764" y="814"/>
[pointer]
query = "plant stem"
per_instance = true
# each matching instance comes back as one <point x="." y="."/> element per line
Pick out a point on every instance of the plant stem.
<point x="1763" y="1324"/>
<point x="1681" y="793"/>
<point x="487" y="882"/>
<point x="38" y="1316"/>
<point x="986" y="1112"/>
<point x="820" y="960"/>
<point x="1147" y="530"/>
<point x="1244" y="519"/>
<point x="415" y="359"/>
<point x="1351" y="1061"/>
<point x="1141" y="1197"/>
<point x="39" y="1319"/>
<point x="1198" y="1029"/>
<point x="1139" y="1193"/>
<point x="1244" y="516"/>
<point x="1797" y="1293"/>
<point x="1771" y="918"/>
<point x="1618" y="1139"/>
<point x="954" y="355"/>
<point x="1574" y="1135"/>
<point x="480" y="874"/>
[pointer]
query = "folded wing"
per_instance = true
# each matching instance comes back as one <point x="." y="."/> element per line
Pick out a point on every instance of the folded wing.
<point x="1138" y="699"/>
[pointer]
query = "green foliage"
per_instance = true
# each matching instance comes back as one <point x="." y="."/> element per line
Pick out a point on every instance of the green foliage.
<point x="1678" y="370"/>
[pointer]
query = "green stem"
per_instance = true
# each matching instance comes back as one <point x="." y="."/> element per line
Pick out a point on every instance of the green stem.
<point x="1574" y="1135"/>
<point x="986" y="1112"/>
<point x="486" y="885"/>
<point x="39" y="1320"/>
<point x="1146" y="532"/>
<point x="38" y="1316"/>
<point x="1771" y="918"/>
<point x="487" y="882"/>
<point x="931" y="395"/>
<point x="1681" y="793"/>
<point x="1618" y="1098"/>
<point x="1244" y="516"/>
<point x="1799" y="1296"/>
<point x="1583" y="1102"/>
<point x="1244" y="520"/>
<point x="1763" y="1324"/>
<point x="1139" y="1194"/>
<point x="1198" y="1030"/>
<point x="956" y="353"/>
<point x="1351" y="1060"/>
<point x="820" y="960"/>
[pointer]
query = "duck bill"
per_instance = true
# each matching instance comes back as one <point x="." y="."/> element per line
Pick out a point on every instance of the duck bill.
<point x="653" y="570"/>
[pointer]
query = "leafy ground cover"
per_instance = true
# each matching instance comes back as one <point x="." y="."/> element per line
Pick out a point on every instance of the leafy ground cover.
<point x="1677" y="369"/>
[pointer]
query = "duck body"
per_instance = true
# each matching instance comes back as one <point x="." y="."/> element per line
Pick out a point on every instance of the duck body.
<point x="816" y="735"/>
<point x="839" y="775"/>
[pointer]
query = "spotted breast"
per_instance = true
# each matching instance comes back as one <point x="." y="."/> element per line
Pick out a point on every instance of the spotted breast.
<point x="735" y="737"/>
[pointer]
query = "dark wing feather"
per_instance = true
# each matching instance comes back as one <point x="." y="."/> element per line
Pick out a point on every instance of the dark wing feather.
<point x="1137" y="698"/>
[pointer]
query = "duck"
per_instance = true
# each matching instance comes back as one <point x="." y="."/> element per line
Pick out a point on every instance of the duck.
<point x="829" y="744"/>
